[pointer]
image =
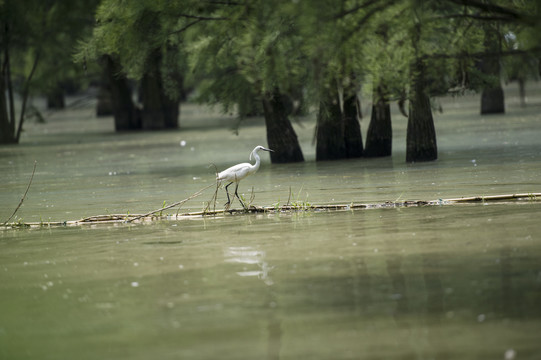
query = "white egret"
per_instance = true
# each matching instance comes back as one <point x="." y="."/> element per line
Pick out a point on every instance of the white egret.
<point x="236" y="173"/>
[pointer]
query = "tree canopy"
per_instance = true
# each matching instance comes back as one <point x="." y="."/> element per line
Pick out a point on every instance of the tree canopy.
<point x="243" y="54"/>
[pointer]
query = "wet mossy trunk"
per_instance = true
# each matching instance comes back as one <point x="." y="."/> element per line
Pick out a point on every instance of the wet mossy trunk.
<point x="330" y="129"/>
<point x="492" y="101"/>
<point x="55" y="97"/>
<point x="492" y="97"/>
<point x="338" y="133"/>
<point x="379" y="138"/>
<point x="159" y="110"/>
<point x="7" y="126"/>
<point x="124" y="113"/>
<point x="421" y="133"/>
<point x="281" y="136"/>
<point x="352" y="127"/>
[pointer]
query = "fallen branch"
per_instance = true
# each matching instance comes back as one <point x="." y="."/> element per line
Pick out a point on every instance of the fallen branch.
<point x="24" y="196"/>
<point x="170" y="206"/>
<point x="288" y="208"/>
<point x="495" y="197"/>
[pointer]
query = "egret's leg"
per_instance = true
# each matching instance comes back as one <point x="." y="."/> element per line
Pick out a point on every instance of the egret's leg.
<point x="227" y="192"/>
<point x="237" y="195"/>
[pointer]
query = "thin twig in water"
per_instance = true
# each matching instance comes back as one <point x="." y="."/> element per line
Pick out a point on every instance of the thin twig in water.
<point x="289" y="197"/>
<point x="215" y="196"/>
<point x="172" y="205"/>
<point x="24" y="196"/>
<point x="252" y="197"/>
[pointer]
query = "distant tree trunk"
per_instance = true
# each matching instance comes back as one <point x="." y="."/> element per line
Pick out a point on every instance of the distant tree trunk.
<point x="338" y="133"/>
<point x="9" y="132"/>
<point x="522" y="90"/>
<point x="492" y="97"/>
<point x="7" y="127"/>
<point x="123" y="108"/>
<point x="152" y="116"/>
<point x="104" y="106"/>
<point x="352" y="128"/>
<point x="281" y="136"/>
<point x="379" y="138"/>
<point x="159" y="110"/>
<point x="7" y="116"/>
<point x="421" y="134"/>
<point x="492" y="101"/>
<point x="330" y="129"/>
<point x="55" y="97"/>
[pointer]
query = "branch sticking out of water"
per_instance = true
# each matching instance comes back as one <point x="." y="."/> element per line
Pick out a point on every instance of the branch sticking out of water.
<point x="24" y="196"/>
<point x="178" y="203"/>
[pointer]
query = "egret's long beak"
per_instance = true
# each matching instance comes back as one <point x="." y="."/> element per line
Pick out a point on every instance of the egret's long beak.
<point x="268" y="150"/>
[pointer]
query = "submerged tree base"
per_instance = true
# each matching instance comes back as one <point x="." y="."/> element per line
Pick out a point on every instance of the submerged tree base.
<point x="276" y="209"/>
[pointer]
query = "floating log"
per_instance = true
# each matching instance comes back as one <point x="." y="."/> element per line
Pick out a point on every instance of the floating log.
<point x="118" y="219"/>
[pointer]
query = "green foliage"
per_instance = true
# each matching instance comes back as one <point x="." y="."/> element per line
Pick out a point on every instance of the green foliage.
<point x="232" y="53"/>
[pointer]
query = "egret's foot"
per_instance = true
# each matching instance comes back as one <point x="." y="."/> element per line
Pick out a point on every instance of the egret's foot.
<point x="227" y="205"/>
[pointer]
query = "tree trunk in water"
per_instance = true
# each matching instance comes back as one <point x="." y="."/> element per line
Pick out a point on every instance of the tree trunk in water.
<point x="352" y="128"/>
<point x="330" y="129"/>
<point x="159" y="110"/>
<point x="522" y="90"/>
<point x="123" y="109"/>
<point x="492" y="97"/>
<point x="104" y="106"/>
<point x="55" y="98"/>
<point x="379" y="138"/>
<point x="281" y="136"/>
<point x="421" y="134"/>
<point x="7" y="126"/>
<point x="492" y="101"/>
<point x="152" y="116"/>
<point x="338" y="133"/>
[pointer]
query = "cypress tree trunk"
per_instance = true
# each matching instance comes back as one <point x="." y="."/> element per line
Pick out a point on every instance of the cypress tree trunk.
<point x="152" y="116"/>
<point x="522" y="90"/>
<point x="159" y="111"/>
<point x="338" y="132"/>
<point x="123" y="109"/>
<point x="421" y="134"/>
<point x="55" y="98"/>
<point x="330" y="129"/>
<point x="104" y="106"/>
<point x="7" y="127"/>
<point x="281" y="136"/>
<point x="492" y="98"/>
<point x="352" y="128"/>
<point x="7" y="118"/>
<point x="379" y="138"/>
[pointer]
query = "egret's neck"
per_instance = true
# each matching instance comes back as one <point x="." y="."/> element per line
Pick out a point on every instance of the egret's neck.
<point x="257" y="160"/>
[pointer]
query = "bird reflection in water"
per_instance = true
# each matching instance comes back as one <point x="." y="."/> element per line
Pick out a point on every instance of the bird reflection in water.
<point x="250" y="256"/>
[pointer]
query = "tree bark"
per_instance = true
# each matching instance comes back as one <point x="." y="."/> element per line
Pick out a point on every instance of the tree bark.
<point x="492" y="101"/>
<point x="55" y="98"/>
<point x="421" y="134"/>
<point x="159" y="110"/>
<point x="123" y="108"/>
<point x="379" y="138"/>
<point x="7" y="127"/>
<point x="492" y="97"/>
<point x="104" y="106"/>
<point x="152" y="116"/>
<point x="338" y="132"/>
<point x="330" y="129"/>
<point x="7" y="116"/>
<point x="352" y="128"/>
<point x="281" y="136"/>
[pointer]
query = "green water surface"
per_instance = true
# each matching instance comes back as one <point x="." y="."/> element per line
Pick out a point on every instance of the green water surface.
<point x="448" y="282"/>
